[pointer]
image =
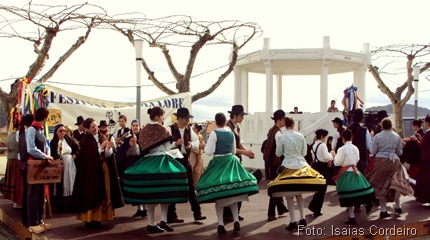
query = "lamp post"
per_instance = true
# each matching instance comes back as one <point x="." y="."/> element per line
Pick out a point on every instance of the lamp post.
<point x="138" y="45"/>
<point x="416" y="78"/>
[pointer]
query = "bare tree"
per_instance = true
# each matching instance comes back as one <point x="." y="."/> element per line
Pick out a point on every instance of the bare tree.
<point x="399" y="59"/>
<point x="46" y="23"/>
<point x="184" y="31"/>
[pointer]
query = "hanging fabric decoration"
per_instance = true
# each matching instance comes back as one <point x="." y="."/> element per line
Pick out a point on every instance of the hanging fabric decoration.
<point x="351" y="101"/>
<point x="24" y="104"/>
<point x="40" y="96"/>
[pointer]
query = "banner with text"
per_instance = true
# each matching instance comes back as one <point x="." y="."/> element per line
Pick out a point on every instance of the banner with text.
<point x="66" y="106"/>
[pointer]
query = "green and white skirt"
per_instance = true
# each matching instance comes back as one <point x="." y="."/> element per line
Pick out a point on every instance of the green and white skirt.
<point x="353" y="189"/>
<point x="155" y="179"/>
<point x="225" y="178"/>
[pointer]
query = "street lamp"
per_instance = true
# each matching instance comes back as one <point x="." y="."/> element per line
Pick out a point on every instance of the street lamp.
<point x="416" y="78"/>
<point x="138" y="45"/>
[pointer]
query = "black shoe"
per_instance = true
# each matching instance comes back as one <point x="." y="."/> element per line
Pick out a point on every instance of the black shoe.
<point x="236" y="227"/>
<point x="282" y="211"/>
<point x="93" y="225"/>
<point x="199" y="218"/>
<point x="303" y="222"/>
<point x="383" y="215"/>
<point x="315" y="213"/>
<point x="398" y="210"/>
<point x="357" y="209"/>
<point x="154" y="229"/>
<point x="369" y="206"/>
<point x="292" y="226"/>
<point x="165" y="226"/>
<point x="175" y="220"/>
<point x="240" y="218"/>
<point x="351" y="221"/>
<point x="221" y="230"/>
<point x="140" y="213"/>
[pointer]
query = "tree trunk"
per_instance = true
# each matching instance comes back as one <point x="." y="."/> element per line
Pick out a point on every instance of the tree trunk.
<point x="8" y="101"/>
<point x="398" y="119"/>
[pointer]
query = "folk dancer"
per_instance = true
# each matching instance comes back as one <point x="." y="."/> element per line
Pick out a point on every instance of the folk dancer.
<point x="272" y="163"/>
<point x="156" y="178"/>
<point x="225" y="181"/>
<point x="295" y="175"/>
<point x="185" y="140"/>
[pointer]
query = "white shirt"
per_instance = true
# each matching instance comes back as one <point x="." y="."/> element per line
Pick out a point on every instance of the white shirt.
<point x="347" y="155"/>
<point x="322" y="152"/>
<point x="108" y="151"/>
<point x="211" y="143"/>
<point x="336" y="137"/>
<point x="195" y="144"/>
<point x="293" y="146"/>
<point x="235" y="131"/>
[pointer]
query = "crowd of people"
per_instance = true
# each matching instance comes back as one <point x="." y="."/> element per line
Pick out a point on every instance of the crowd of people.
<point x="150" y="164"/>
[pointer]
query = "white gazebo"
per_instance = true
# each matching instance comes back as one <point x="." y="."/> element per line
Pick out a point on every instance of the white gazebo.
<point x="275" y="63"/>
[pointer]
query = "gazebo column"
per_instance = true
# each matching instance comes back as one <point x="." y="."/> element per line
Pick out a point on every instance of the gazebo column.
<point x="360" y="74"/>
<point x="324" y="87"/>
<point x="265" y="57"/>
<point x="324" y="74"/>
<point x="279" y="91"/>
<point x="241" y="87"/>
<point x="245" y="90"/>
<point x="269" y="86"/>
<point x="359" y="82"/>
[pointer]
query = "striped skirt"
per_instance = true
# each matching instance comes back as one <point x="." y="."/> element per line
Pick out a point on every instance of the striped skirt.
<point x="293" y="182"/>
<point x="354" y="189"/>
<point x="224" y="178"/>
<point x="155" y="179"/>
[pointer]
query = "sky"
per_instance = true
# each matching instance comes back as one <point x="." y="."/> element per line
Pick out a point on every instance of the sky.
<point x="108" y="58"/>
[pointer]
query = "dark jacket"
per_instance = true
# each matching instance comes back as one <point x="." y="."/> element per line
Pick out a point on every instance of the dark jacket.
<point x="89" y="188"/>
<point x="359" y="140"/>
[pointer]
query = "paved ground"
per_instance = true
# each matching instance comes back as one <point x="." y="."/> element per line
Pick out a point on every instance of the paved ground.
<point x="414" y="222"/>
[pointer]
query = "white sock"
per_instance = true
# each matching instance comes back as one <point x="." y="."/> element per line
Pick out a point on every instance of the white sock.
<point x="397" y="200"/>
<point x="351" y="212"/>
<point x="383" y="205"/>
<point x="301" y="205"/>
<point x="164" y="208"/>
<point x="151" y="211"/>
<point x="219" y="213"/>
<point x="290" y="204"/>
<point x="235" y="212"/>
<point x="140" y="207"/>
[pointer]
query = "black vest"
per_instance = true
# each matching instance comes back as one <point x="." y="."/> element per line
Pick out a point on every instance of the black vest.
<point x="236" y="136"/>
<point x="39" y="141"/>
<point x="177" y="135"/>
<point x="359" y="140"/>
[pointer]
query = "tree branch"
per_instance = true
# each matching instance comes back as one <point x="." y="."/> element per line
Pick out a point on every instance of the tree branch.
<point x="381" y="85"/>
<point x="221" y="78"/>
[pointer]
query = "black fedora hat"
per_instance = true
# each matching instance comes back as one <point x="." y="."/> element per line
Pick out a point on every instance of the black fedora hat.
<point x="237" y="109"/>
<point x="279" y="114"/>
<point x="381" y="115"/>
<point x="103" y="123"/>
<point x="338" y="121"/>
<point x="183" y="113"/>
<point x="79" y="120"/>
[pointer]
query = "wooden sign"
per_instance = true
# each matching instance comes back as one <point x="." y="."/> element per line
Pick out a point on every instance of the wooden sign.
<point x="54" y="117"/>
<point x="40" y="171"/>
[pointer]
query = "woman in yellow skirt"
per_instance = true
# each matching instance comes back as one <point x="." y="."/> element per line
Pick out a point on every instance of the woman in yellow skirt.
<point x="295" y="175"/>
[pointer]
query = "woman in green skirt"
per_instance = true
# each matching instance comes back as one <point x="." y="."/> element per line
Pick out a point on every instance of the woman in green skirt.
<point x="156" y="178"/>
<point x="224" y="181"/>
<point x="351" y="186"/>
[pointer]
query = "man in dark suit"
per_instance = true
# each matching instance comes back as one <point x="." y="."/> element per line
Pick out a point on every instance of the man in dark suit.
<point x="80" y="132"/>
<point x="185" y="139"/>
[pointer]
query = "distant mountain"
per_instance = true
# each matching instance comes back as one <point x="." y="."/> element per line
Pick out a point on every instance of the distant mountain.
<point x="408" y="110"/>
